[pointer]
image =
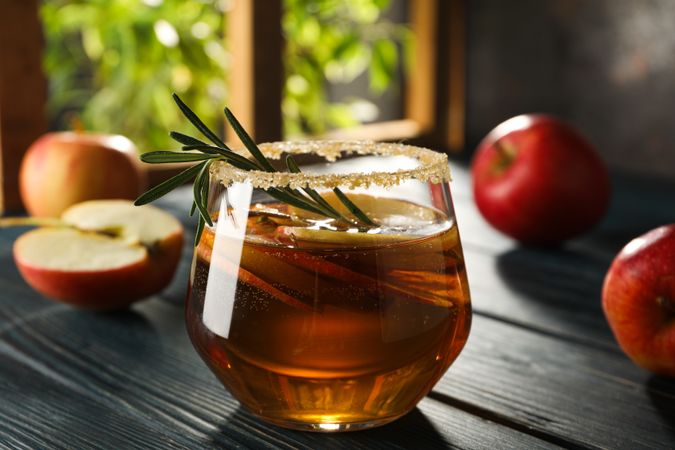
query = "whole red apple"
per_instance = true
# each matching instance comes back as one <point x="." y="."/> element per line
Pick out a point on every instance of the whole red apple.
<point x="65" y="168"/>
<point x="638" y="298"/>
<point x="536" y="179"/>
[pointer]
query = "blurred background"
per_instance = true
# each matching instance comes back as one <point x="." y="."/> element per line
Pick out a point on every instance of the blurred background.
<point x="343" y="63"/>
<point x="437" y="73"/>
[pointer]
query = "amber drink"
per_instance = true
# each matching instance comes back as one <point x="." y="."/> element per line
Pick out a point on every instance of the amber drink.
<point x="315" y="325"/>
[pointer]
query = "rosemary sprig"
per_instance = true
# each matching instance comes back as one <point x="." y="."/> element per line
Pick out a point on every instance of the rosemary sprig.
<point x="204" y="154"/>
<point x="293" y="167"/>
<point x="169" y="185"/>
<point x="258" y="155"/>
<point x="197" y="122"/>
<point x="351" y="206"/>
<point x="247" y="141"/>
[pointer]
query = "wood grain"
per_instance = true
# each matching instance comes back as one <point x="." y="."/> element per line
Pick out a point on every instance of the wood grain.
<point x="420" y="95"/>
<point x="571" y="393"/>
<point x="555" y="290"/>
<point x="256" y="75"/>
<point x="95" y="373"/>
<point x="446" y="22"/>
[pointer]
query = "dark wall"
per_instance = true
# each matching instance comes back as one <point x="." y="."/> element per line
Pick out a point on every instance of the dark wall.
<point x="607" y="66"/>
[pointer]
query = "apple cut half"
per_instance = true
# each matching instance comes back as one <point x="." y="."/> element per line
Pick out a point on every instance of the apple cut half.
<point x="106" y="255"/>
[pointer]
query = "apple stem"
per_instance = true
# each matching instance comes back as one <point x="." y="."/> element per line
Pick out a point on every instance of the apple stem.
<point x="504" y="153"/>
<point x="666" y="303"/>
<point x="76" y="124"/>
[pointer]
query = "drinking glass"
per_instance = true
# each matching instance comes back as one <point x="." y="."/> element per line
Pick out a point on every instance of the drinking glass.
<point x="325" y="324"/>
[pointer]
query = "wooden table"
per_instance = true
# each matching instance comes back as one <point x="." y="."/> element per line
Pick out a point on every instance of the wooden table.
<point x="541" y="368"/>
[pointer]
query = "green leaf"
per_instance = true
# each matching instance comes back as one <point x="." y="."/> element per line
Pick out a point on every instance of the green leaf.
<point x="172" y="157"/>
<point x="231" y="157"/>
<point x="206" y="185"/>
<point x="200" y="229"/>
<point x="383" y="65"/>
<point x="197" y="122"/>
<point x="291" y="199"/>
<point x="292" y="165"/>
<point x="353" y="208"/>
<point x="341" y="115"/>
<point x="185" y="139"/>
<point x="198" y="191"/>
<point x="330" y="211"/>
<point x="348" y="43"/>
<point x="382" y="4"/>
<point x="204" y="148"/>
<point x="169" y="185"/>
<point x="248" y="141"/>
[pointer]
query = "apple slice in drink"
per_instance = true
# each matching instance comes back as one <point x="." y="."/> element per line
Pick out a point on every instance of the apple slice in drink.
<point x="413" y="288"/>
<point x="238" y="269"/>
<point x="104" y="255"/>
<point x="313" y="238"/>
<point x="383" y="210"/>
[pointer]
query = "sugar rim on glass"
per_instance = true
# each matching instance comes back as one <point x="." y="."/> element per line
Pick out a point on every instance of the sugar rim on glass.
<point x="433" y="166"/>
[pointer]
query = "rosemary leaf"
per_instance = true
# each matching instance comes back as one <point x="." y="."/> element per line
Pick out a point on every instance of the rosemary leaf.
<point x="193" y="208"/>
<point x="200" y="229"/>
<point x="248" y="142"/>
<point x="233" y="158"/>
<point x="206" y="185"/>
<point x="185" y="139"/>
<point x="173" y="157"/>
<point x="204" y="148"/>
<point x="169" y="185"/>
<point x="197" y="122"/>
<point x="198" y="191"/>
<point x="291" y="164"/>
<point x="353" y="208"/>
<point x="292" y="200"/>
<point x="293" y="167"/>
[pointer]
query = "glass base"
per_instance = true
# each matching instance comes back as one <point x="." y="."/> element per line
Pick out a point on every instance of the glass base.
<point x="329" y="427"/>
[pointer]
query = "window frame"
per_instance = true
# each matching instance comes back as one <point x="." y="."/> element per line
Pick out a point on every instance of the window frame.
<point x="434" y="111"/>
<point x="23" y="92"/>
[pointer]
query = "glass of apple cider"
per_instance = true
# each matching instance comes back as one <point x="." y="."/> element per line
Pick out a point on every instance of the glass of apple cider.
<point x="323" y="323"/>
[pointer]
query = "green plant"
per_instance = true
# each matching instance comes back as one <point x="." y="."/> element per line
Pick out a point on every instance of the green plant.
<point x="331" y="42"/>
<point x="114" y="64"/>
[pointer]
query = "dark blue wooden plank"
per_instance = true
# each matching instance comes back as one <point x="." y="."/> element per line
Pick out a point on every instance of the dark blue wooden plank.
<point x="139" y="368"/>
<point x="556" y="290"/>
<point x="560" y="389"/>
<point x="17" y="300"/>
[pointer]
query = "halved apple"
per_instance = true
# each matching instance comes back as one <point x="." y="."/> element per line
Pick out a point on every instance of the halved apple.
<point x="105" y="255"/>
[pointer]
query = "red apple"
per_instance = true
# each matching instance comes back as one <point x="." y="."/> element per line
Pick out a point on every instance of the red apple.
<point x="638" y="298"/>
<point x="62" y="169"/>
<point x="105" y="255"/>
<point x="536" y="179"/>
